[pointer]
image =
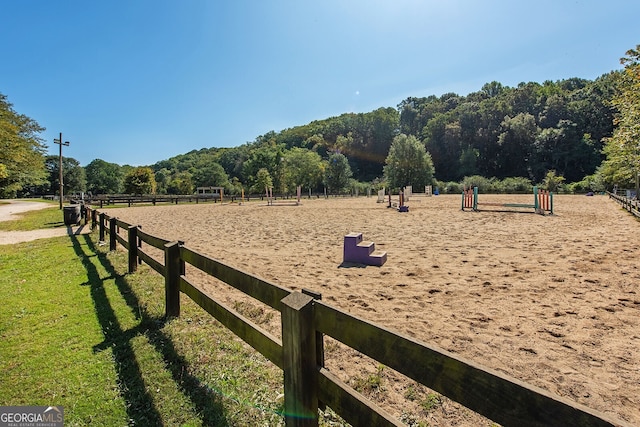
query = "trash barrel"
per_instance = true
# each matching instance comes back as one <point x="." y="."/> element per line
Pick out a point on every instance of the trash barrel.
<point x="72" y="215"/>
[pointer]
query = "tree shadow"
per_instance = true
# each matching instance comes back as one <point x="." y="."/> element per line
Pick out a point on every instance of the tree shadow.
<point x="140" y="405"/>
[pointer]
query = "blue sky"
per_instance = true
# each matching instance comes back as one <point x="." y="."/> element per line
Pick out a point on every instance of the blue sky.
<point x="139" y="81"/>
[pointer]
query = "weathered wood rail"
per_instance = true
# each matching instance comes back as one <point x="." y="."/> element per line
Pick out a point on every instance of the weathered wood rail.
<point x="305" y="319"/>
<point x="630" y="205"/>
<point x="130" y="200"/>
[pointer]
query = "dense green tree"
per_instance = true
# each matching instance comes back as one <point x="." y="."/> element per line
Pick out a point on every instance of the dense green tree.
<point x="516" y="142"/>
<point x="210" y="175"/>
<point x="140" y="180"/>
<point x="73" y="176"/>
<point x="408" y="163"/>
<point x="263" y="181"/>
<point x="181" y="183"/>
<point x="337" y="173"/>
<point x="303" y="167"/>
<point x="232" y="159"/>
<point x="622" y="165"/>
<point x="104" y="177"/>
<point x="264" y="157"/>
<point x="552" y="181"/>
<point x="21" y="152"/>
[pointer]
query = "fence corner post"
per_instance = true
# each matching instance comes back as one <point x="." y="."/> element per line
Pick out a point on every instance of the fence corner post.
<point x="132" y="237"/>
<point x="173" y="269"/>
<point x="112" y="234"/>
<point x="299" y="357"/>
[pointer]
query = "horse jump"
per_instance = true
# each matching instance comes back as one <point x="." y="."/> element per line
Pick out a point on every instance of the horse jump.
<point x="542" y="201"/>
<point x="271" y="201"/>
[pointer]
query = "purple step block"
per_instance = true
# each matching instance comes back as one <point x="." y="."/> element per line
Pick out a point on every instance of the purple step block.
<point x="359" y="252"/>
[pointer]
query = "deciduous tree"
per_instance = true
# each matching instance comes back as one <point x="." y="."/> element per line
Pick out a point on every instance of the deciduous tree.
<point x="21" y="152"/>
<point x="408" y="163"/>
<point x="140" y="180"/>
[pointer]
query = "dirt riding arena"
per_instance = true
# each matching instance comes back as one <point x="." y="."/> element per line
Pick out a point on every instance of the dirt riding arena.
<point x="550" y="300"/>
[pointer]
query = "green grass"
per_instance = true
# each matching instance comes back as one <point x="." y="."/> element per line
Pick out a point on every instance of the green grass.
<point x="77" y="331"/>
<point x="51" y="217"/>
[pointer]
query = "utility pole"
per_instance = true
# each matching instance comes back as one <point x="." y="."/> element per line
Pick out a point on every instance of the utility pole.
<point x="60" y="143"/>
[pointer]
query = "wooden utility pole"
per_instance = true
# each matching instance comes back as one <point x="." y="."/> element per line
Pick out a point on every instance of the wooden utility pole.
<point x="60" y="143"/>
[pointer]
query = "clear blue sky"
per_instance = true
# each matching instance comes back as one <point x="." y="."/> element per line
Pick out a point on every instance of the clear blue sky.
<point x="139" y="81"/>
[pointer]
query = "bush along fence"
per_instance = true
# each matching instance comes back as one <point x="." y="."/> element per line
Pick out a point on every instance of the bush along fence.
<point x="305" y="319"/>
<point x="630" y="205"/>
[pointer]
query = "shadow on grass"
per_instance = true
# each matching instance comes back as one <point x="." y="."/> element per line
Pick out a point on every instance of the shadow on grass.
<point x="141" y="408"/>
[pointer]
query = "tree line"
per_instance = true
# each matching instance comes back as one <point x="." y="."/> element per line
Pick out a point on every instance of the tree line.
<point x="584" y="132"/>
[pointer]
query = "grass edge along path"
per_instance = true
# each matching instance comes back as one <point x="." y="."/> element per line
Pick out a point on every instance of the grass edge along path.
<point x="77" y="331"/>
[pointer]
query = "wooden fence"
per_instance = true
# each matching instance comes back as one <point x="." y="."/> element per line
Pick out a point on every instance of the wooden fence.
<point x="631" y="205"/>
<point x="129" y="199"/>
<point x="305" y="319"/>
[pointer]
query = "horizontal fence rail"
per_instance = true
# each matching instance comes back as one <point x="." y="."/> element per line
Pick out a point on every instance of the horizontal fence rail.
<point x="305" y="318"/>
<point x="630" y="205"/>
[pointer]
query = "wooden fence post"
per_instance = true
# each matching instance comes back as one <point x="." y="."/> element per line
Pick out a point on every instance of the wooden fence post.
<point x="112" y="234"/>
<point x="132" y="237"/>
<point x="94" y="218"/>
<point x="102" y="220"/>
<point x="173" y="269"/>
<point x="319" y="335"/>
<point x="139" y="244"/>
<point x="299" y="361"/>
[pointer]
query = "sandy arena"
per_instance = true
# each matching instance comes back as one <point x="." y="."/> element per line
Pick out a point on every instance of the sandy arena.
<point x="549" y="300"/>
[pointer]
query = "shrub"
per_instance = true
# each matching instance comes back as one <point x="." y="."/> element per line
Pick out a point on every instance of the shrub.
<point x="514" y="185"/>
<point x="485" y="185"/>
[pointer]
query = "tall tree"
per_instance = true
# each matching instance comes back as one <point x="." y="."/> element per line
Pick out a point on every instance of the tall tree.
<point x="21" y="152"/>
<point x="104" y="177"/>
<point x="74" y="176"/>
<point x="623" y="148"/>
<point x="408" y="163"/>
<point x="140" y="180"/>
<point x="516" y="143"/>
<point x="337" y="173"/>
<point x="303" y="167"/>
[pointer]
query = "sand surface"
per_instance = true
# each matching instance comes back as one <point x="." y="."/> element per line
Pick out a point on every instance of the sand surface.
<point x="550" y="300"/>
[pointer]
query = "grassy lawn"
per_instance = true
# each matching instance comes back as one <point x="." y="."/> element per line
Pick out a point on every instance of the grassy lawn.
<point x="76" y="330"/>
<point x="51" y="217"/>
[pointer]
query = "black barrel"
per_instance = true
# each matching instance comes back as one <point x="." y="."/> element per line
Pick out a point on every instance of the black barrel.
<point x="72" y="215"/>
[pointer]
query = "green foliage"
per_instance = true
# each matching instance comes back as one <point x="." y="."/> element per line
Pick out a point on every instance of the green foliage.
<point x="210" y="175"/>
<point x="449" y="187"/>
<point x="302" y="167"/>
<point x="523" y="131"/>
<point x="552" y="182"/>
<point x="408" y="163"/>
<point x="370" y="384"/>
<point x="21" y="152"/>
<point x="623" y="148"/>
<point x="337" y="173"/>
<point x="104" y="177"/>
<point x="513" y="185"/>
<point x="484" y="185"/>
<point x="74" y="176"/>
<point x="431" y="402"/>
<point x="140" y="180"/>
<point x="593" y="183"/>
<point x="181" y="183"/>
<point x="263" y="181"/>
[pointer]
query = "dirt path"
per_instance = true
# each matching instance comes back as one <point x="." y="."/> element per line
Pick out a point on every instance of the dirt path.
<point x="12" y="210"/>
